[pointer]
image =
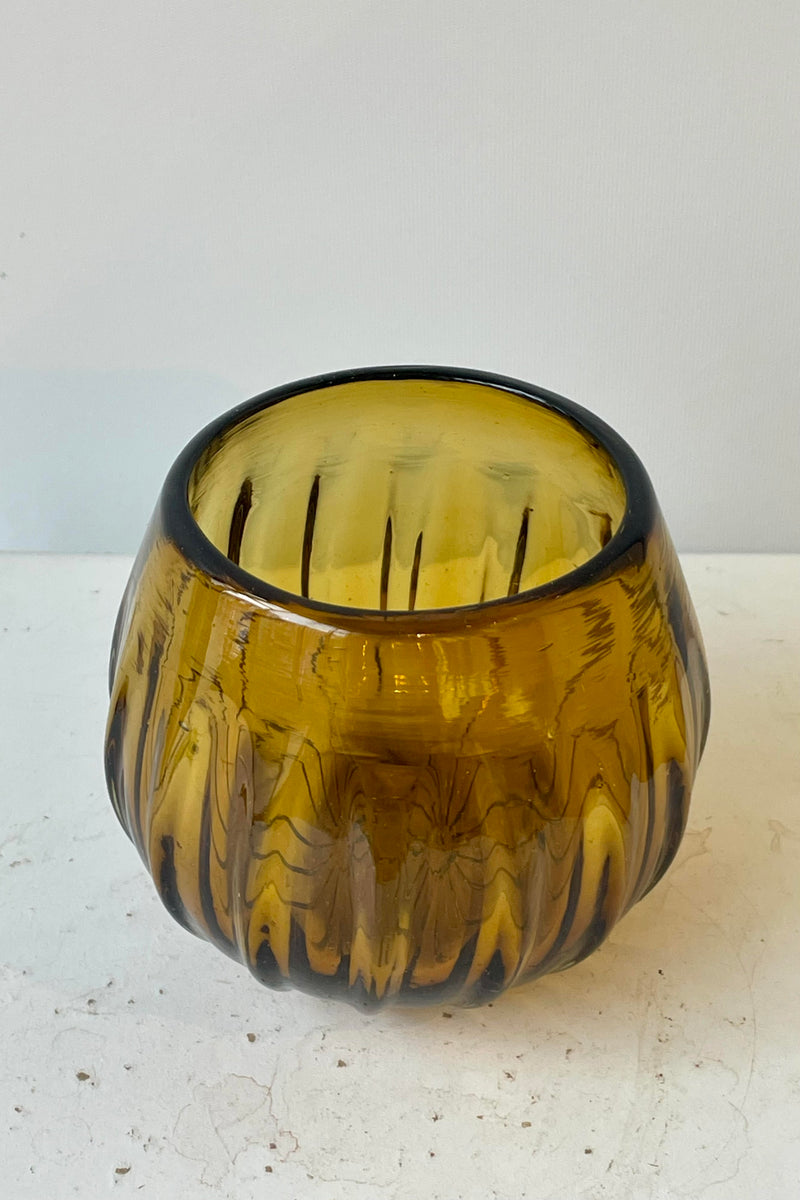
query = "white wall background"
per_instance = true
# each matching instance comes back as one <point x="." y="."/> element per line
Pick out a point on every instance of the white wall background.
<point x="199" y="200"/>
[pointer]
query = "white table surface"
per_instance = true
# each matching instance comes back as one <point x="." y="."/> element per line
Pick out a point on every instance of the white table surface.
<point x="135" y="1059"/>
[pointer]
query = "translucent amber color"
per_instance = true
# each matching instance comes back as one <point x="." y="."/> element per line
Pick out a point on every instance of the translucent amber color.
<point x="407" y="692"/>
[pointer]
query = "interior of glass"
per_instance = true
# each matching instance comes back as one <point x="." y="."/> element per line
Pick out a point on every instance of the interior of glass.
<point x="407" y="494"/>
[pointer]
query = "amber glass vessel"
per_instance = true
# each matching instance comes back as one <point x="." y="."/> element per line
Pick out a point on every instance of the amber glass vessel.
<point x="407" y="692"/>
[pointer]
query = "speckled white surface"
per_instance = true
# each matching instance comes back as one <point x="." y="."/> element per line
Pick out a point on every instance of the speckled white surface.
<point x="135" y="1060"/>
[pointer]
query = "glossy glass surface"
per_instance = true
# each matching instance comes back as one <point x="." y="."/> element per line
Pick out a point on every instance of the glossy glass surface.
<point x="407" y="693"/>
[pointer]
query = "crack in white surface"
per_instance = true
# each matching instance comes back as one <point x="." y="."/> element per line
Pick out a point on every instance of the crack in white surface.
<point x="222" y="1121"/>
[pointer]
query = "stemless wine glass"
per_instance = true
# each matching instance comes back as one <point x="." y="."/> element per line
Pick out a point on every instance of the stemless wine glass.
<point x="407" y="691"/>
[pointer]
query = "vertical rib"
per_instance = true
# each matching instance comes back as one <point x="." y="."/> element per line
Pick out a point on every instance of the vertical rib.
<point x="412" y="588"/>
<point x="241" y="511"/>
<point x="386" y="562"/>
<point x="519" y="554"/>
<point x="308" y="536"/>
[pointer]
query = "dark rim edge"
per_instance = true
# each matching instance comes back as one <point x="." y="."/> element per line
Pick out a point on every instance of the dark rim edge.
<point x="179" y="526"/>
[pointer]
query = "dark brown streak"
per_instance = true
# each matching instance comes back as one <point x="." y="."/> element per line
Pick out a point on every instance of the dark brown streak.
<point x="648" y="767"/>
<point x="285" y="862"/>
<point x="484" y="581"/>
<point x="308" y="742"/>
<point x="168" y="884"/>
<point x="605" y="526"/>
<point x="137" y="800"/>
<point x="241" y="511"/>
<point x="114" y="763"/>
<point x="412" y="588"/>
<point x="676" y="814"/>
<point x="308" y="536"/>
<point x="519" y="554"/>
<point x="205" y="888"/>
<point x="565" y="928"/>
<point x="386" y="563"/>
<point x="266" y="825"/>
<point x="309" y="788"/>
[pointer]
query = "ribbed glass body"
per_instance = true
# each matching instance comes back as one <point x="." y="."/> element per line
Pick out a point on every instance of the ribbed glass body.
<point x="407" y="692"/>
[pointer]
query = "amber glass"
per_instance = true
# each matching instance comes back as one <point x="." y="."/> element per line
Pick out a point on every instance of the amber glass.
<point x="407" y="692"/>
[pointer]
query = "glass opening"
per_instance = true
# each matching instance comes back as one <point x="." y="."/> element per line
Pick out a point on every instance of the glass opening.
<point x="407" y="494"/>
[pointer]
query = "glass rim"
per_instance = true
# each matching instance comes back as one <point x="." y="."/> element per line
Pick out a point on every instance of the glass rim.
<point x="180" y="526"/>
